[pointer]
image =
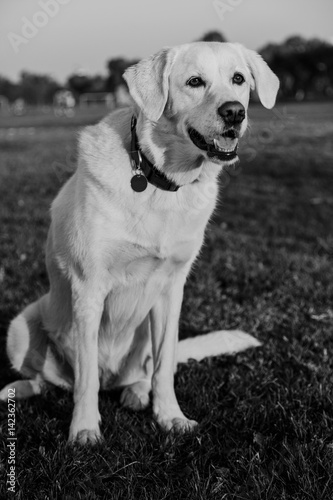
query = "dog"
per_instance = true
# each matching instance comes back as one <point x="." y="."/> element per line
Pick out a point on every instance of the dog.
<point x="125" y="231"/>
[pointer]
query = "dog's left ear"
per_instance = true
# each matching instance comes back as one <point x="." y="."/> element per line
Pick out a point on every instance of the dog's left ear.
<point x="266" y="82"/>
<point x="148" y="82"/>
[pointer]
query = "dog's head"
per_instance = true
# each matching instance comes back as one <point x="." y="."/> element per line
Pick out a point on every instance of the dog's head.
<point x="203" y="89"/>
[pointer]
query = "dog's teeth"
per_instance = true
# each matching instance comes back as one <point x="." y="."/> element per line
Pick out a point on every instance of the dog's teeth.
<point x="218" y="147"/>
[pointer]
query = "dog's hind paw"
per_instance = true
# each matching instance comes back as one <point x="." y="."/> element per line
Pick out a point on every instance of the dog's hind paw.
<point x="136" y="396"/>
<point x="22" y="389"/>
<point x="4" y="394"/>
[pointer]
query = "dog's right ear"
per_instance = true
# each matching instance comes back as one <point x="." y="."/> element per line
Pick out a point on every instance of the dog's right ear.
<point x="148" y="82"/>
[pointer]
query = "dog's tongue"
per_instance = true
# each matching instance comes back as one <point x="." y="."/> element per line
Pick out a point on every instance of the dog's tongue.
<point x="224" y="145"/>
<point x="223" y="149"/>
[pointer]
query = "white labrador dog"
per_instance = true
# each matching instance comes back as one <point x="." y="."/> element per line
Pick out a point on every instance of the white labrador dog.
<point x="125" y="231"/>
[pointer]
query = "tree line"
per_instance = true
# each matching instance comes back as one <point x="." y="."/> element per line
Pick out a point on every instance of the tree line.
<point x="305" y="69"/>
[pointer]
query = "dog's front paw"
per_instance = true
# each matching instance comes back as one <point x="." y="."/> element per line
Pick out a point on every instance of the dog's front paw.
<point x="85" y="430"/>
<point x="177" y="424"/>
<point x="183" y="425"/>
<point x="85" y="437"/>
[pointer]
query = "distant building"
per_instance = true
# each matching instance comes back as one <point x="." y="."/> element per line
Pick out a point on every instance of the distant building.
<point x="96" y="98"/>
<point x="64" y="103"/>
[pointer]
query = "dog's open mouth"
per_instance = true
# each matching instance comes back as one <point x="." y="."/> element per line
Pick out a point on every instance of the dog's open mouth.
<point x="214" y="149"/>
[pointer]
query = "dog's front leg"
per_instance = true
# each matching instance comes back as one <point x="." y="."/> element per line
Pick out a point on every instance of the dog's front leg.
<point x="164" y="321"/>
<point x="88" y="304"/>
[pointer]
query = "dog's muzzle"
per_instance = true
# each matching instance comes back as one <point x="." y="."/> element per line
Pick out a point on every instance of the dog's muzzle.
<point x="214" y="149"/>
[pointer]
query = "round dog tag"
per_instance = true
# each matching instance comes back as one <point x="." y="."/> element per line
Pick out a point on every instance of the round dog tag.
<point x="139" y="183"/>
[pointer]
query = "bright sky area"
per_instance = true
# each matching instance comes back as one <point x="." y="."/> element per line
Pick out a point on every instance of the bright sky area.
<point x="60" y="37"/>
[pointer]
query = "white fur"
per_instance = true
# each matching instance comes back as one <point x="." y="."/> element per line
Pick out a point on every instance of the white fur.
<point x="117" y="260"/>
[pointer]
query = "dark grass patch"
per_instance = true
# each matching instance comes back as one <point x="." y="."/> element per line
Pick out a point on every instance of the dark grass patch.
<point x="266" y="415"/>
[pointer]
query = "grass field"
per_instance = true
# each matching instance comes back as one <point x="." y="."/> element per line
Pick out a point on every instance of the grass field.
<point x="266" y="416"/>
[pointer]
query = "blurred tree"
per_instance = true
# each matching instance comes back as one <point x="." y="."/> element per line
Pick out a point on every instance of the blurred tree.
<point x="305" y="67"/>
<point x="37" y="89"/>
<point x="34" y="89"/>
<point x="9" y="89"/>
<point x="98" y="83"/>
<point x="116" y="68"/>
<point x="115" y="82"/>
<point x="79" y="83"/>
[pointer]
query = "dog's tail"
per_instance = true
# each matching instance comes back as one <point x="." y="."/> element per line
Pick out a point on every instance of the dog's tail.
<point x="214" y="344"/>
<point x="30" y="354"/>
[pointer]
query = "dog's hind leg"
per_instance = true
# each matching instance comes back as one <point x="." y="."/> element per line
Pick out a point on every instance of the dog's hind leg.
<point x="135" y="377"/>
<point x="29" y="351"/>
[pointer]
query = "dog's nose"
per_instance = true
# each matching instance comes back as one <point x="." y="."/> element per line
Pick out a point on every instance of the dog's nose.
<point x="232" y="112"/>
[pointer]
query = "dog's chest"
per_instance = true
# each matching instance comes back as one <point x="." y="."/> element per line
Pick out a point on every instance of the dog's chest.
<point x="149" y="258"/>
<point x="170" y="239"/>
<point x="145" y="252"/>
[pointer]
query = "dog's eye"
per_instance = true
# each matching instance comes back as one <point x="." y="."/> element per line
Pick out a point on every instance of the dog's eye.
<point x="195" y="81"/>
<point x="238" y="79"/>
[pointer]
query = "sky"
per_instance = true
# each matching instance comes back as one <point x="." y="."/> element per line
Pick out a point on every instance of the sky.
<point x="59" y="37"/>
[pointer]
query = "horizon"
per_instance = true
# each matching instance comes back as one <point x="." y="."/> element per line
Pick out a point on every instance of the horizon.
<point x="45" y="36"/>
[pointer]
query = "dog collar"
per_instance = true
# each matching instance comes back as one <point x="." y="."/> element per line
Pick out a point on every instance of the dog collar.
<point x="145" y="171"/>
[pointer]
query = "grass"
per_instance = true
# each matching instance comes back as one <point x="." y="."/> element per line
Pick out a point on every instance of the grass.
<point x="266" y="416"/>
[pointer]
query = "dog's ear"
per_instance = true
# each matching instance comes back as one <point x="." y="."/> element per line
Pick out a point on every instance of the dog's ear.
<point x="148" y="83"/>
<point x="266" y="82"/>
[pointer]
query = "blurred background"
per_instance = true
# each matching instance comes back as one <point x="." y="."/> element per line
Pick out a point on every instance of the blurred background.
<point x="69" y="53"/>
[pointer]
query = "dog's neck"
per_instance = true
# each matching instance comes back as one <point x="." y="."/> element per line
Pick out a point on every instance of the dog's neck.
<point x="172" y="154"/>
